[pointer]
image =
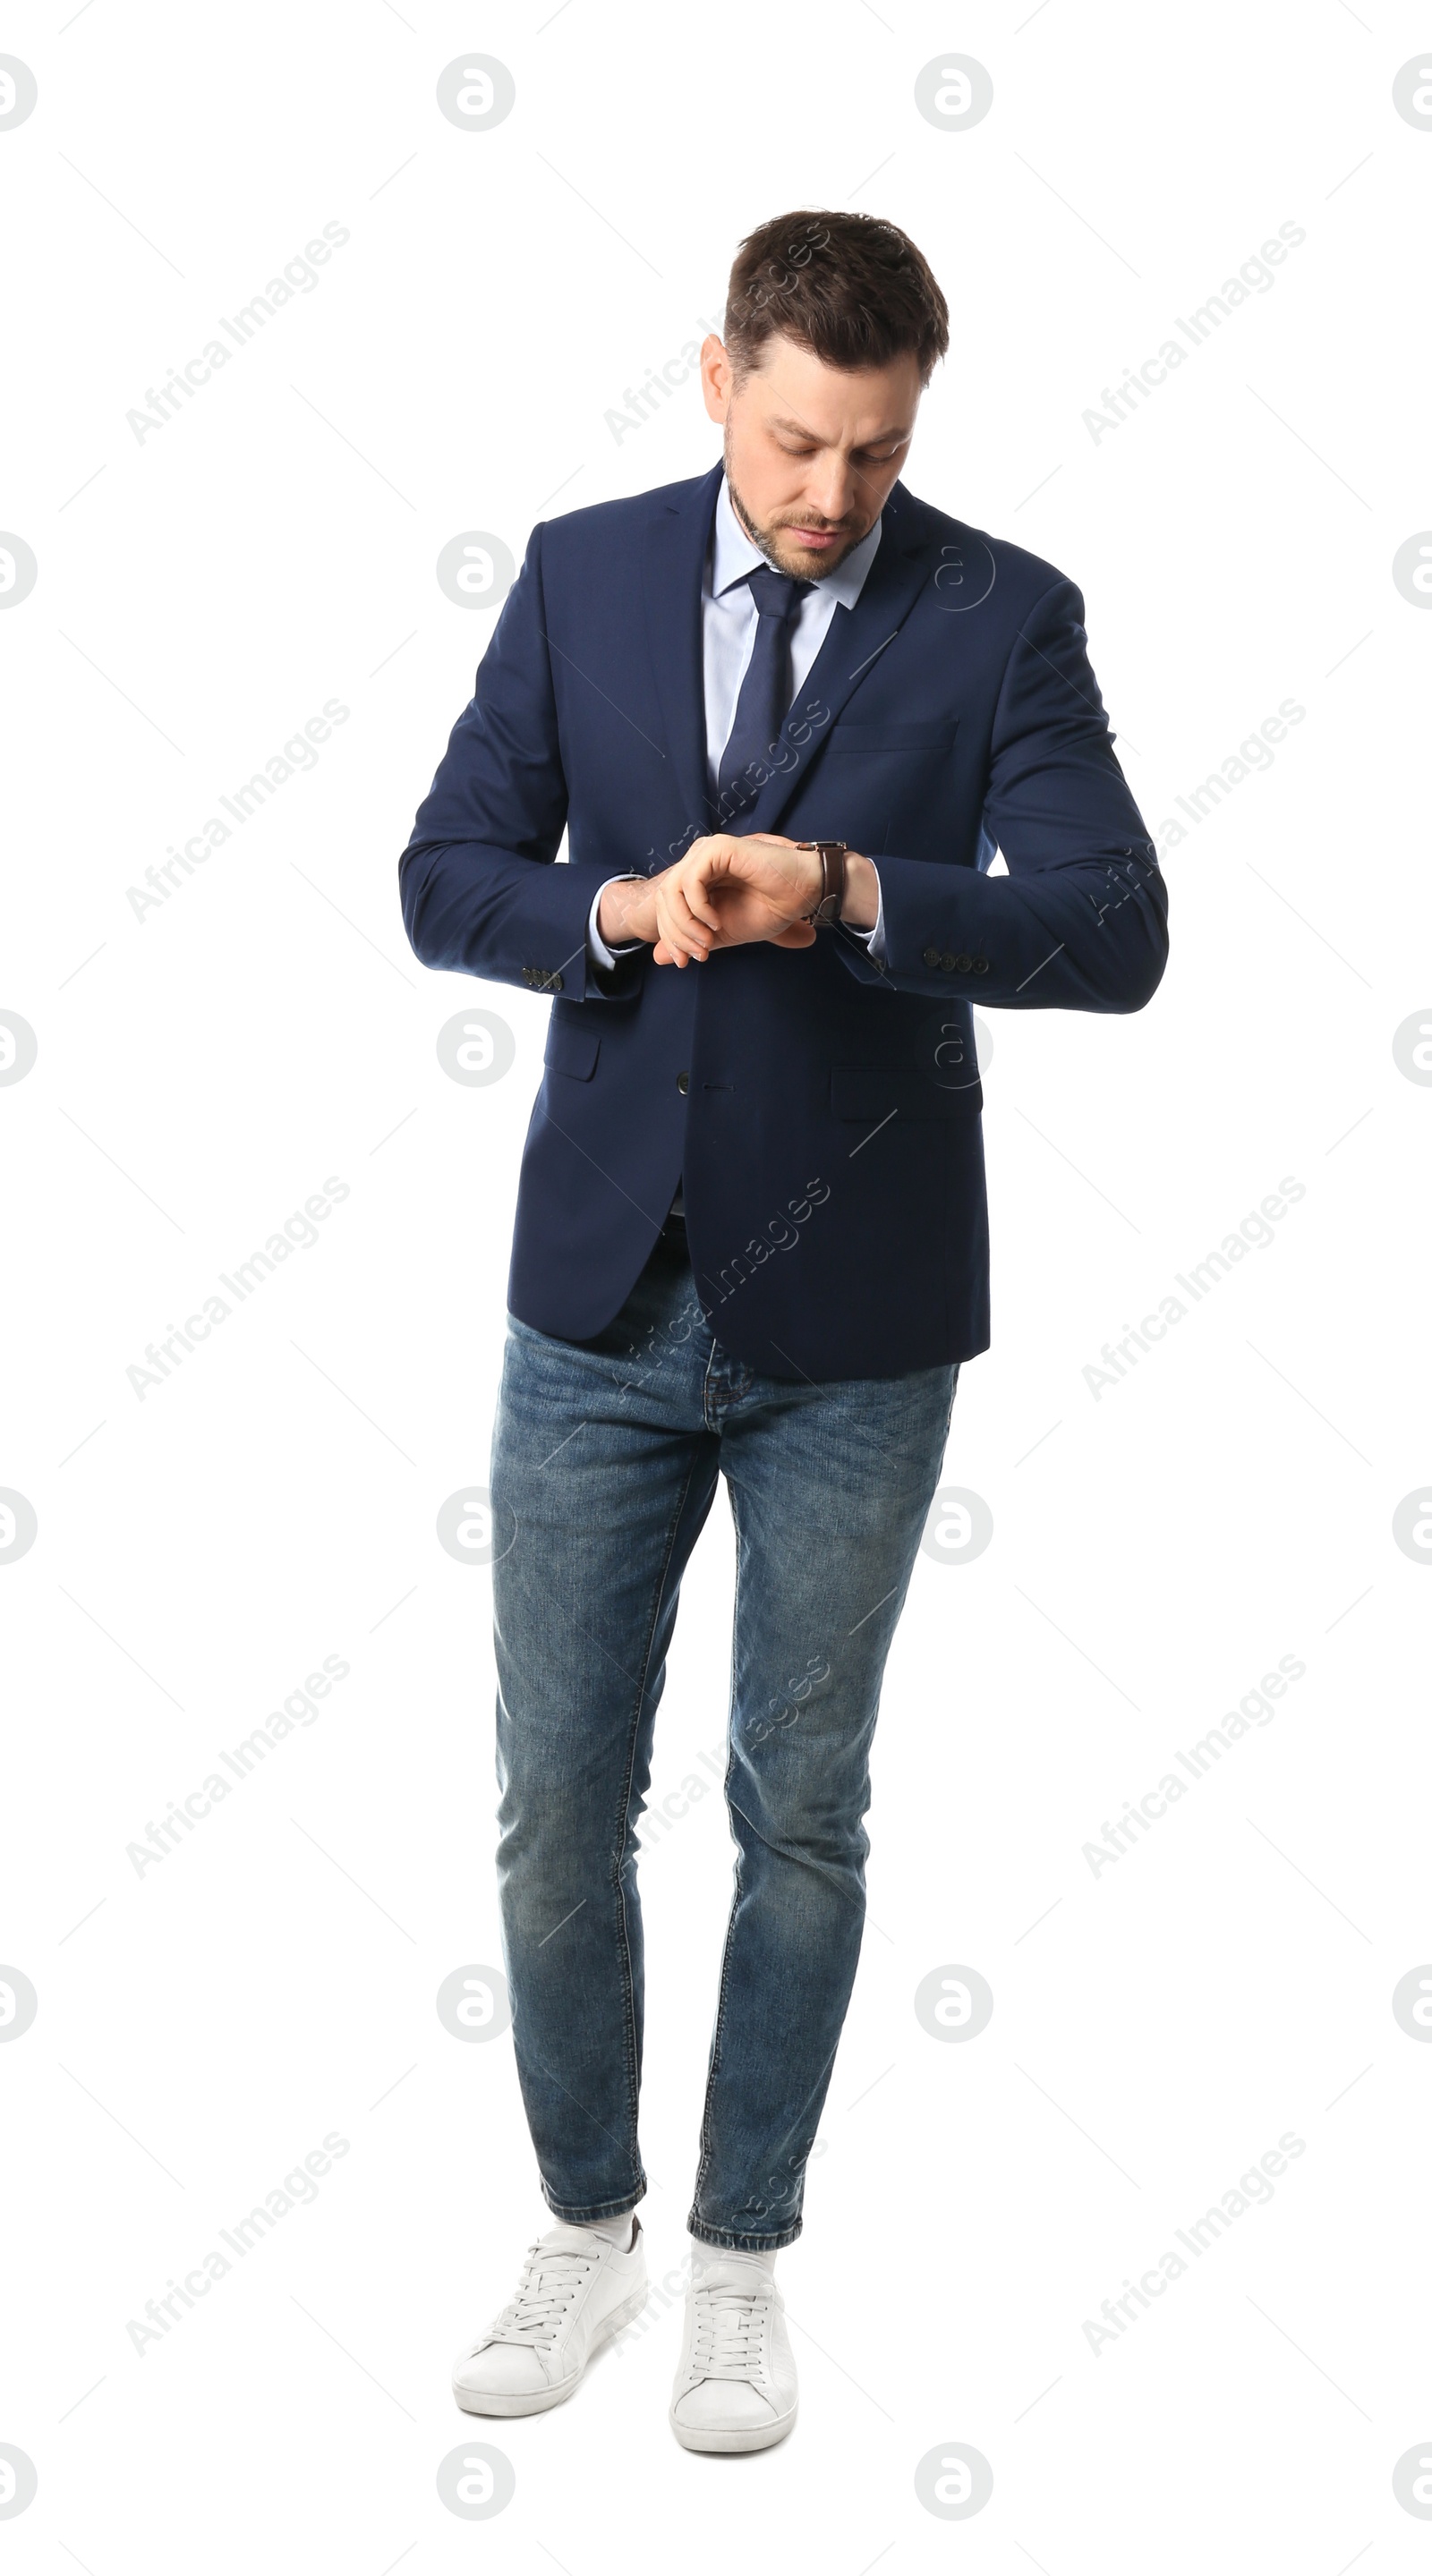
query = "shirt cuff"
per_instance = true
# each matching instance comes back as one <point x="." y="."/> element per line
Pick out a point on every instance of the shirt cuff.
<point x="597" y="949"/>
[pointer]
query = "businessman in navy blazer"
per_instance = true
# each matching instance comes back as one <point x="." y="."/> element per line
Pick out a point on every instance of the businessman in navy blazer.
<point x="786" y="714"/>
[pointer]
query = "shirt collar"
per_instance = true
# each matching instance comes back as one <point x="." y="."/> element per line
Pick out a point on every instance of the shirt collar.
<point x="733" y="556"/>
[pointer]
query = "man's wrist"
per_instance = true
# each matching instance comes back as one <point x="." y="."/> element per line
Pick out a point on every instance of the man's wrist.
<point x="827" y="893"/>
<point x="615" y="907"/>
<point x="861" y="907"/>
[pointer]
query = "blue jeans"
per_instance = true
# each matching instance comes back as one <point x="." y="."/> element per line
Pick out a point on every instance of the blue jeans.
<point x="605" y="1460"/>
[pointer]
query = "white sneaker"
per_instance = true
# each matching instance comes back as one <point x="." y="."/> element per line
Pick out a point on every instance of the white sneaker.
<point x="576" y="2292"/>
<point x="736" y="2387"/>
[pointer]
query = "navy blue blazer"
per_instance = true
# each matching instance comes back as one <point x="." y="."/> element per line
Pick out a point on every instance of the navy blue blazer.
<point x="820" y="1108"/>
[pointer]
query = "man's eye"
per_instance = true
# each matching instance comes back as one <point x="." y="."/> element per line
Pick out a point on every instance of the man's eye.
<point x="863" y="456"/>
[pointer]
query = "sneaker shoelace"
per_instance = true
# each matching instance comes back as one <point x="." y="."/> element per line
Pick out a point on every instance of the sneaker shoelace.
<point x="730" y="2333"/>
<point x="549" y="2284"/>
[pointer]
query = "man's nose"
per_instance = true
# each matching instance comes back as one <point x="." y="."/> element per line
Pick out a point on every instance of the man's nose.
<point x="832" y="490"/>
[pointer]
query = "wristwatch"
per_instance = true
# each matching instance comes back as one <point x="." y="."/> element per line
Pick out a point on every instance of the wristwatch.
<point x="832" y="882"/>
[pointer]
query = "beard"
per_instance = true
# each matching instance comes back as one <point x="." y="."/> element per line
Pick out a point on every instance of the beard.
<point x="782" y="551"/>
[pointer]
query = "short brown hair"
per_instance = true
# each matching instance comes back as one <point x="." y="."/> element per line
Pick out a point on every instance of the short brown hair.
<point x="852" y="289"/>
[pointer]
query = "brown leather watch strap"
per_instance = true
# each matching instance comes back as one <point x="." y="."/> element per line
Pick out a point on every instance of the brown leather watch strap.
<point x="826" y="912"/>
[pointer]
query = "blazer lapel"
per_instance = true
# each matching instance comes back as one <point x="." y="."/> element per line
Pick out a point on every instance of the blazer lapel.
<point x="855" y="640"/>
<point x="674" y="572"/>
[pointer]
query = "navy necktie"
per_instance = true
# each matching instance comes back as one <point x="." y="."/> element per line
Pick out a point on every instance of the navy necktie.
<point x="765" y="694"/>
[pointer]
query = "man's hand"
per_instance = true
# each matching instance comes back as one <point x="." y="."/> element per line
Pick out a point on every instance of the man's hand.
<point x="722" y="894"/>
<point x="728" y="891"/>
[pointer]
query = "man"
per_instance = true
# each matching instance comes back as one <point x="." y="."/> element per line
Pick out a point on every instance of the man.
<point x="786" y="713"/>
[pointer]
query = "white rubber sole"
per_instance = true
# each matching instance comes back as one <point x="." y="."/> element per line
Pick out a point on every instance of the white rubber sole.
<point x="537" y="2401"/>
<point x="745" y="2437"/>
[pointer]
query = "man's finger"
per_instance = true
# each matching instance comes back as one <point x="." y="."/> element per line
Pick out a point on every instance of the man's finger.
<point x="684" y="947"/>
<point x="678" y="924"/>
<point x="694" y="892"/>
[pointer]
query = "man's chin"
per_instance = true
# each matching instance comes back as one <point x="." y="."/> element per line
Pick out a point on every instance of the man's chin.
<point x="808" y="563"/>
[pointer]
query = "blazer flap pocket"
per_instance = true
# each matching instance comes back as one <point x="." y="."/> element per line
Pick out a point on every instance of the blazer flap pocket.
<point x="874" y="1092"/>
<point x="891" y="737"/>
<point x="572" y="1049"/>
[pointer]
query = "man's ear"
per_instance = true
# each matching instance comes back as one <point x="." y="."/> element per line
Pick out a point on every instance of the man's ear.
<point x="717" y="377"/>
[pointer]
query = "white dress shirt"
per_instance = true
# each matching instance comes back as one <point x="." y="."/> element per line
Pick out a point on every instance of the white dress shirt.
<point x="729" y="618"/>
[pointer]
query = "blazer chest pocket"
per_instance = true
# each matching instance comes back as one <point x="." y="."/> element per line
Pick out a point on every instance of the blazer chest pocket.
<point x="571" y="1049"/>
<point x="925" y="738"/>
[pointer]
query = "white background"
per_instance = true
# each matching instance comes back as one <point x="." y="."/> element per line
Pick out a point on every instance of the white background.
<point x="203" y="1068"/>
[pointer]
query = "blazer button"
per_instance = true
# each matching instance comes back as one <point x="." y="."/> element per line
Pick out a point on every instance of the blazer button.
<point x="981" y="965"/>
<point x="963" y="965"/>
<point x="683" y="1082"/>
<point x="947" y="965"/>
<point x="929" y="957"/>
